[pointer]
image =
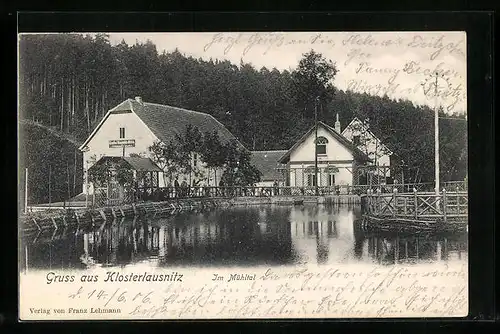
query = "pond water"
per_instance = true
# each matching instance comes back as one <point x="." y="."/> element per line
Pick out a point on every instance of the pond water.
<point x="237" y="237"/>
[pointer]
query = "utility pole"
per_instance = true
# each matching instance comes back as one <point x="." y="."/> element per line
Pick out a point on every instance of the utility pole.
<point x="436" y="135"/>
<point x="316" y="145"/>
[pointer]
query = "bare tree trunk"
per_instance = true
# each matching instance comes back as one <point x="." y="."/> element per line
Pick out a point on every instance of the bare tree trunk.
<point x="96" y="112"/>
<point x="32" y="84"/>
<point x="74" y="174"/>
<point x="69" y="105"/>
<point x="62" y="104"/>
<point x="87" y="105"/>
<point x="67" y="179"/>
<point x="53" y="95"/>
<point x="102" y="103"/>
<point x="50" y="181"/>
<point x="44" y="80"/>
<point x="77" y="102"/>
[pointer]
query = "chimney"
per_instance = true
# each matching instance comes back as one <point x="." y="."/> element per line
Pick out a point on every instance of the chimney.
<point x="138" y="99"/>
<point x="337" y="124"/>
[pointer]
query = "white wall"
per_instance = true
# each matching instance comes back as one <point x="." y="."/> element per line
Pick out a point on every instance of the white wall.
<point x="336" y="154"/>
<point x="110" y="130"/>
<point x="370" y="144"/>
<point x="343" y="177"/>
<point x="334" y="150"/>
<point x="135" y="129"/>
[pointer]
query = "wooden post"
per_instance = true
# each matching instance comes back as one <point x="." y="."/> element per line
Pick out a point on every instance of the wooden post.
<point x="379" y="204"/>
<point x="416" y="246"/>
<point x="445" y="249"/>
<point x="86" y="187"/>
<point x="316" y="145"/>
<point x="405" y="203"/>
<point x="396" y="250"/>
<point x="445" y="204"/>
<point x="394" y="198"/>
<point x="436" y="137"/>
<point x="368" y="203"/>
<point x="415" y="203"/>
<point x="320" y="177"/>
<point x="458" y="201"/>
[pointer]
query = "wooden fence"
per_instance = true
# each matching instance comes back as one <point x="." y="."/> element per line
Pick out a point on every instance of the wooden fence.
<point x="448" y="205"/>
<point x="113" y="195"/>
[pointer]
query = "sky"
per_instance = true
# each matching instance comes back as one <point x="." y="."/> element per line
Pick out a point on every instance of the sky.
<point x="399" y="64"/>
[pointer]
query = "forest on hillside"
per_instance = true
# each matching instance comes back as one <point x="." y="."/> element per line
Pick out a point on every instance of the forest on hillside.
<point x="67" y="82"/>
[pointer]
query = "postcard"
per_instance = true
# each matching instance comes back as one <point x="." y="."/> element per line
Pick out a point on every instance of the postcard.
<point x="242" y="175"/>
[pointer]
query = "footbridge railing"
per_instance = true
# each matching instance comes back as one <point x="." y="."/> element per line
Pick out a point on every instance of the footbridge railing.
<point x="445" y="206"/>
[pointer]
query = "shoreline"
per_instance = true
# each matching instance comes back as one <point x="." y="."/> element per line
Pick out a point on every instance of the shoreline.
<point x="53" y="220"/>
<point x="87" y="217"/>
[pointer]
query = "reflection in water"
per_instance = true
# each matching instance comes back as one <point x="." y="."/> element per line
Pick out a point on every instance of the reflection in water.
<point x="399" y="249"/>
<point x="267" y="235"/>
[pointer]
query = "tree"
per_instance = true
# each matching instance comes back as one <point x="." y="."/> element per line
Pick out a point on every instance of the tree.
<point x="69" y="81"/>
<point x="212" y="152"/>
<point x="168" y="157"/>
<point x="175" y="157"/>
<point x="239" y="171"/>
<point x="124" y="175"/>
<point x="189" y="143"/>
<point x="312" y="79"/>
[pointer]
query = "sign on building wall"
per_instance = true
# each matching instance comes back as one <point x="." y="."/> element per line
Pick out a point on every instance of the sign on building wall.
<point x="121" y="143"/>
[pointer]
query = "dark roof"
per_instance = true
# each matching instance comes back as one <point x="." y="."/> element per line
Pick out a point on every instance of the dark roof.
<point x="142" y="164"/>
<point x="136" y="163"/>
<point x="167" y="121"/>
<point x="267" y="162"/>
<point x="358" y="154"/>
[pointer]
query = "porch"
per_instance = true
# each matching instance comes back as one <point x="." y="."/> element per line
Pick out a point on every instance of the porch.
<point x="119" y="180"/>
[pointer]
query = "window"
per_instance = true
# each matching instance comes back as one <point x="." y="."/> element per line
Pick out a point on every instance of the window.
<point x="122" y="133"/>
<point x="321" y="145"/>
<point x="195" y="159"/>
<point x="331" y="180"/>
<point x="309" y="173"/>
<point x="355" y="140"/>
<point x="311" y="180"/>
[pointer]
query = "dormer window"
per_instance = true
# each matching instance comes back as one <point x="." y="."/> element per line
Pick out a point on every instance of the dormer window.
<point x="122" y="133"/>
<point x="321" y="145"/>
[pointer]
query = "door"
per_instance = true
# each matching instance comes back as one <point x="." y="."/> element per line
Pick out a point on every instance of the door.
<point x="114" y="193"/>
